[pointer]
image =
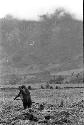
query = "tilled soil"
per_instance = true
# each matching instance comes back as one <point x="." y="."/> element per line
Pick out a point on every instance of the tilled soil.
<point x="51" y="107"/>
<point x="12" y="113"/>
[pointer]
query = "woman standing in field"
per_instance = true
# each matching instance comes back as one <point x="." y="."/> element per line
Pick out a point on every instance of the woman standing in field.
<point x="25" y="96"/>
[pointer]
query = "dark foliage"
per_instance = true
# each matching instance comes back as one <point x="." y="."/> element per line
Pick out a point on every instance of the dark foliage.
<point x="57" y="38"/>
<point x="42" y="87"/>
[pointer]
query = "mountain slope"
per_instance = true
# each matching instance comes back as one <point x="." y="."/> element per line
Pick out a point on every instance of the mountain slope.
<point x="52" y="40"/>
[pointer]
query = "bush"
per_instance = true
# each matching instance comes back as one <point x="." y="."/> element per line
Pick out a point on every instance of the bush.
<point x="78" y="78"/>
<point x="47" y="86"/>
<point x="51" y="87"/>
<point x="57" y="87"/>
<point x="59" y="79"/>
<point x="42" y="87"/>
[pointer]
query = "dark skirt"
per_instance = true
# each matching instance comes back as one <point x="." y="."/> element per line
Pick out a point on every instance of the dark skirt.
<point x="27" y="102"/>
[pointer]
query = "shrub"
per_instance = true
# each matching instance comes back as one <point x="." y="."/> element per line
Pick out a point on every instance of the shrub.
<point x="42" y="87"/>
<point x="78" y="78"/>
<point x="59" y="79"/>
<point x="47" y="86"/>
<point x="57" y="87"/>
<point x="51" y="87"/>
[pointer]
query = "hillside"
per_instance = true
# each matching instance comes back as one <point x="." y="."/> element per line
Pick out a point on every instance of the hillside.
<point x="55" y="42"/>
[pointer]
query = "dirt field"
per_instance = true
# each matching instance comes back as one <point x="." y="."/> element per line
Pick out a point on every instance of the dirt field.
<point x="58" y="102"/>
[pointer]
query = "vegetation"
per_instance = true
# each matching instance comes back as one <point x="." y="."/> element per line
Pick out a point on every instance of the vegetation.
<point x="60" y="79"/>
<point x="55" y="38"/>
<point x="29" y="47"/>
<point x="42" y="87"/>
<point x="65" y="107"/>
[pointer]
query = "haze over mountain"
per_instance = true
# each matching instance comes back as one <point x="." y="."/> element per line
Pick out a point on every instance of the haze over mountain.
<point x="55" y="42"/>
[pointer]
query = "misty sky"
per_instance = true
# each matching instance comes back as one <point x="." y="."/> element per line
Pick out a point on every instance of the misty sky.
<point x="31" y="9"/>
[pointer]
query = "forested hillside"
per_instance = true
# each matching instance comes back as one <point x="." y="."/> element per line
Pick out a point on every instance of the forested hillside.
<point x="53" y="39"/>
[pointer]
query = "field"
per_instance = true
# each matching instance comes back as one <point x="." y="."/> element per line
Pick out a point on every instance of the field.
<point x="64" y="106"/>
<point x="58" y="101"/>
<point x="47" y="57"/>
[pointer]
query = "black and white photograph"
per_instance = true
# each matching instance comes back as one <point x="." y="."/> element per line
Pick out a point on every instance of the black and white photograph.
<point x="41" y="62"/>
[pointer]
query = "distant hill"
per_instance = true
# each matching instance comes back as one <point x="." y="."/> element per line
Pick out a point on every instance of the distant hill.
<point x="55" y="42"/>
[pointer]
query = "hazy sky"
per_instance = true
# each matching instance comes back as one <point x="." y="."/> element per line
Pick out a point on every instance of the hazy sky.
<point x="30" y="9"/>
